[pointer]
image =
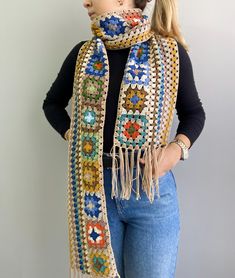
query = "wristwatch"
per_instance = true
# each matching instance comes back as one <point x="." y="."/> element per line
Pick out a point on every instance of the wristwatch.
<point x="184" y="149"/>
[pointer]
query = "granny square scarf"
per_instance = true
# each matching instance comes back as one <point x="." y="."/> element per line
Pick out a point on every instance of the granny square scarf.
<point x="144" y="118"/>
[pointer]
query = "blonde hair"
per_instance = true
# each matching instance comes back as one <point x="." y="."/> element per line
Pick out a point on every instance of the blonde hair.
<point x="164" y="19"/>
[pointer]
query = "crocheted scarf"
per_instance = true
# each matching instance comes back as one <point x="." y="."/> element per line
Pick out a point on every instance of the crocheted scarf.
<point x="144" y="117"/>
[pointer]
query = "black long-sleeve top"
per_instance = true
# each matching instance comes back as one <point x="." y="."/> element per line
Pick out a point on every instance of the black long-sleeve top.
<point x="189" y="107"/>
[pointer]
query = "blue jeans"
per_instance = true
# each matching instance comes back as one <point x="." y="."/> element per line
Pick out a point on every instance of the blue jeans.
<point x="144" y="236"/>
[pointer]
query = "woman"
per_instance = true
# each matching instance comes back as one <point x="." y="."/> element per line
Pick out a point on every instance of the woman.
<point x="125" y="83"/>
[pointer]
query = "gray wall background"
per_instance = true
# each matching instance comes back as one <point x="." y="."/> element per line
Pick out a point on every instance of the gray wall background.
<point x="35" y="38"/>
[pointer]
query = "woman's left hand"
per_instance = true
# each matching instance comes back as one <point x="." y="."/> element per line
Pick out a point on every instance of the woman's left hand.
<point x="170" y="158"/>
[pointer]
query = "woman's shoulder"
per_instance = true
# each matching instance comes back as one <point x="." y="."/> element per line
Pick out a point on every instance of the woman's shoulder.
<point x="184" y="56"/>
<point x="181" y="48"/>
<point x="76" y="47"/>
<point x="166" y="40"/>
<point x="72" y="55"/>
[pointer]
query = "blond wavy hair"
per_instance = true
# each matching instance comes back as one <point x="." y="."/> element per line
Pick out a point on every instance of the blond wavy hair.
<point x="164" y="19"/>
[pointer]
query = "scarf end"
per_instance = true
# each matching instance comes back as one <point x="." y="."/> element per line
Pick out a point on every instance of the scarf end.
<point x="147" y="174"/>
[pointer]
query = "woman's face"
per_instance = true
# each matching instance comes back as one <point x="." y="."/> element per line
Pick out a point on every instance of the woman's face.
<point x="98" y="7"/>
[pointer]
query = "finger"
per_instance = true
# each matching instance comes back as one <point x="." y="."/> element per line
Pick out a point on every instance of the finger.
<point x="142" y="160"/>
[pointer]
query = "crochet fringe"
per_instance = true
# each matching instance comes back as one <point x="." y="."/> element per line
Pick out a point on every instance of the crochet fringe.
<point x="152" y="157"/>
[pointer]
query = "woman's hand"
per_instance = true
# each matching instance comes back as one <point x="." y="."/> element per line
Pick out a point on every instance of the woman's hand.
<point x="170" y="158"/>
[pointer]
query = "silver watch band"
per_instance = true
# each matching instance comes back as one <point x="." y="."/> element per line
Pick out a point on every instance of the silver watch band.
<point x="184" y="148"/>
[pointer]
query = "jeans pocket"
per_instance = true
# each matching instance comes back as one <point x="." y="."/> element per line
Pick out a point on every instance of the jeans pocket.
<point x="173" y="178"/>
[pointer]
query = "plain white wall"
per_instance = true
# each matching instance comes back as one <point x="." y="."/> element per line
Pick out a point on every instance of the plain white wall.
<point x="35" y="37"/>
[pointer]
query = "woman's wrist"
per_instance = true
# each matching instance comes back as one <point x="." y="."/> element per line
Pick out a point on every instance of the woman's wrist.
<point x="177" y="150"/>
<point x="185" y="139"/>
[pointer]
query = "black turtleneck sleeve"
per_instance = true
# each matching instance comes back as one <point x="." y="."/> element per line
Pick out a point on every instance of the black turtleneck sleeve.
<point x="60" y="92"/>
<point x="189" y="107"/>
